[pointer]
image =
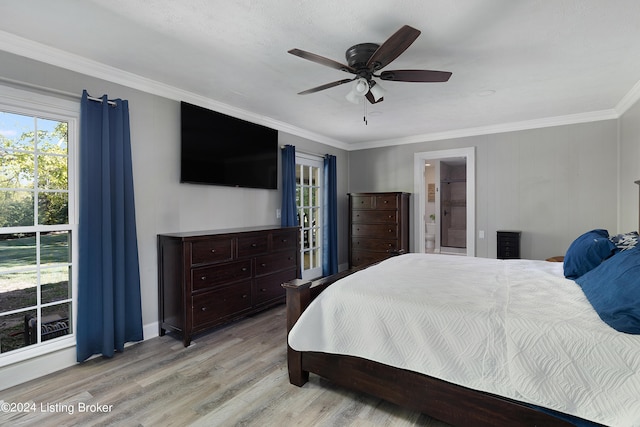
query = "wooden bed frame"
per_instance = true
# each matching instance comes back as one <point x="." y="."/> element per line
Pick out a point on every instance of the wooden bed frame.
<point x="453" y="404"/>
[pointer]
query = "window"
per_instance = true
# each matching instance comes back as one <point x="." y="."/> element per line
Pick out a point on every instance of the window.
<point x="309" y="203"/>
<point x="37" y="225"/>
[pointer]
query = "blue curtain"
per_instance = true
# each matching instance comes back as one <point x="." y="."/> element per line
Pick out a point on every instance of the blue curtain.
<point x="109" y="305"/>
<point x="330" y="218"/>
<point x="289" y="212"/>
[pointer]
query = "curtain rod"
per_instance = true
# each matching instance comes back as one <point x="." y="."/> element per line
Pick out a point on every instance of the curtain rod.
<point x="50" y="90"/>
<point x="304" y="152"/>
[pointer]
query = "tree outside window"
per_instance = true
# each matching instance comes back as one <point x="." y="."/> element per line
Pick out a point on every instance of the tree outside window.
<point x="35" y="235"/>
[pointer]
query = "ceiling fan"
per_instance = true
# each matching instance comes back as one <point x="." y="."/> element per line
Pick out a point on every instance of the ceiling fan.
<point x="366" y="59"/>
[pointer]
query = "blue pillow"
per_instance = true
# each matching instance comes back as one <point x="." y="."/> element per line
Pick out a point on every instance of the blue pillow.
<point x="587" y="252"/>
<point x="613" y="289"/>
<point x="625" y="241"/>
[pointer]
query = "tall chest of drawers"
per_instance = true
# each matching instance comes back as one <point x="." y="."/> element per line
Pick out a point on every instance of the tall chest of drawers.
<point x="378" y="226"/>
<point x="209" y="278"/>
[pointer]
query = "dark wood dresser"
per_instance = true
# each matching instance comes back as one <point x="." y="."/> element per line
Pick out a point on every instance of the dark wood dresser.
<point x="509" y="244"/>
<point x="212" y="277"/>
<point x="378" y="226"/>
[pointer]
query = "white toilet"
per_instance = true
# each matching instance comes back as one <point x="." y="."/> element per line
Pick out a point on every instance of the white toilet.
<point x="430" y="238"/>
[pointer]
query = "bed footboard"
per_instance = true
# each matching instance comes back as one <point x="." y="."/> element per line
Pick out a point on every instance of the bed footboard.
<point x="298" y="298"/>
<point x="299" y="294"/>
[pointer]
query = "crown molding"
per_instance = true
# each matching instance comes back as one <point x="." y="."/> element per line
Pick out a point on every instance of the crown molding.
<point x="492" y="129"/>
<point x="629" y="99"/>
<point x="59" y="58"/>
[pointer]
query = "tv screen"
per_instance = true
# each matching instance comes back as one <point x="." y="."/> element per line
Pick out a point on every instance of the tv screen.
<point x="223" y="150"/>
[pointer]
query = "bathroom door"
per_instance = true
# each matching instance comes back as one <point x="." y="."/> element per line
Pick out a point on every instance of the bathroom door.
<point x="453" y="205"/>
<point x="466" y="156"/>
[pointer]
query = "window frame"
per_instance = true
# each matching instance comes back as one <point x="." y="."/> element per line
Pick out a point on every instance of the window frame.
<point x="36" y="104"/>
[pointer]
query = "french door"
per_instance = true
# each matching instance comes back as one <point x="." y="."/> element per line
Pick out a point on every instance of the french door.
<point x="309" y="204"/>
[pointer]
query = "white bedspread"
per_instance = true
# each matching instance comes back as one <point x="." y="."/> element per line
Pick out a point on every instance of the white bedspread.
<point x="516" y="328"/>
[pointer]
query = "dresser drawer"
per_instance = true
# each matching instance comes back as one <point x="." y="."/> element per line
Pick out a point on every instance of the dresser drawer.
<point x="364" y="216"/>
<point x="271" y="263"/>
<point x="213" y="306"/>
<point x="361" y="202"/>
<point x="507" y="253"/>
<point x="284" y="240"/>
<point x="207" y="277"/>
<point x="509" y="242"/>
<point x="365" y="257"/>
<point x="268" y="288"/>
<point x="386" y="201"/>
<point x="377" y="230"/>
<point x="375" y="245"/>
<point x="253" y="245"/>
<point x="209" y="251"/>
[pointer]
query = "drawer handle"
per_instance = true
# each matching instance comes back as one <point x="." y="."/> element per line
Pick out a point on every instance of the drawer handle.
<point x="386" y="201"/>
<point x="203" y="278"/>
<point x="284" y="240"/>
<point x="263" y="290"/>
<point x="390" y="216"/>
<point x="203" y="309"/>
<point x="263" y="265"/>
<point x="245" y="296"/>
<point x="390" y="231"/>
<point x="253" y="245"/>
<point x="244" y="268"/>
<point x="213" y="251"/>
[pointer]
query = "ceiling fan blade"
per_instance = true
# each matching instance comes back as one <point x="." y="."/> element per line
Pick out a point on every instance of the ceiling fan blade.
<point x="416" y="76"/>
<point x="325" y="86"/>
<point x="371" y="98"/>
<point x="322" y="60"/>
<point x="393" y="47"/>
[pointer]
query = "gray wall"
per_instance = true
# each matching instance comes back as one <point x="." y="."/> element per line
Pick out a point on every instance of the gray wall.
<point x="552" y="183"/>
<point x="162" y="203"/>
<point x="629" y="167"/>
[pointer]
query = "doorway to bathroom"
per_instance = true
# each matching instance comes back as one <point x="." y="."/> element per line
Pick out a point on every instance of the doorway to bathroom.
<point x="444" y="183"/>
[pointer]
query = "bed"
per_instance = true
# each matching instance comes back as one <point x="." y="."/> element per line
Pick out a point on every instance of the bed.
<point x="474" y="341"/>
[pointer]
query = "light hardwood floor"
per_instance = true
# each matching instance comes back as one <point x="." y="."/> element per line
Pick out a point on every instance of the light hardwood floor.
<point x="233" y="376"/>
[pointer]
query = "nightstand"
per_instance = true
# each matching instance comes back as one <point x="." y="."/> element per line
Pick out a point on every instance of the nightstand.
<point x="509" y="244"/>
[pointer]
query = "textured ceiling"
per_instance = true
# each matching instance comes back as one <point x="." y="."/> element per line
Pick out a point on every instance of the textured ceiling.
<point x="514" y="62"/>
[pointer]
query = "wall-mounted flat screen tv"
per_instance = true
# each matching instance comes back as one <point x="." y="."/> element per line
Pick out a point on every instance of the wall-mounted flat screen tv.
<point x="222" y="150"/>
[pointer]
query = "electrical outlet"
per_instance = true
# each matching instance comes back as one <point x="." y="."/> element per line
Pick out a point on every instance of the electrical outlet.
<point x="278" y="213"/>
<point x="481" y="234"/>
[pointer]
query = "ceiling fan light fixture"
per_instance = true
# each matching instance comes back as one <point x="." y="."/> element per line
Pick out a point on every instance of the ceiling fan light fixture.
<point x="351" y="97"/>
<point x="359" y="89"/>
<point x="377" y="91"/>
<point x="366" y="59"/>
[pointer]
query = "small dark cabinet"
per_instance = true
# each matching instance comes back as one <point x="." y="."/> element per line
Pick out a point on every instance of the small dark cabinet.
<point x="509" y="244"/>
<point x="209" y="278"/>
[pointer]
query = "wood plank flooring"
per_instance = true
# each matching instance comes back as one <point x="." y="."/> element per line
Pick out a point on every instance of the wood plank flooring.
<point x="233" y="376"/>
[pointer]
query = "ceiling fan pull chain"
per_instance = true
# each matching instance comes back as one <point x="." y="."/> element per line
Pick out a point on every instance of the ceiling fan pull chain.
<point x="365" y="113"/>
